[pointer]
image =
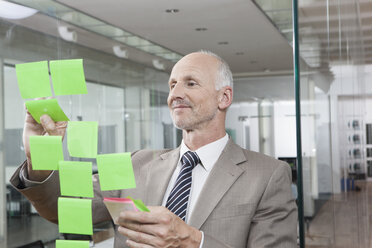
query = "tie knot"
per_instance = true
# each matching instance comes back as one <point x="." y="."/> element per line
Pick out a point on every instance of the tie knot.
<point x="190" y="159"/>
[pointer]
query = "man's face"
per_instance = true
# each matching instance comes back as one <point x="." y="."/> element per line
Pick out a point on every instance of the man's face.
<point x="192" y="97"/>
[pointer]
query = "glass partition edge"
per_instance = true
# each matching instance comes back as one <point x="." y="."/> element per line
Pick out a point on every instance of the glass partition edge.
<point x="3" y="216"/>
<point x="296" y="64"/>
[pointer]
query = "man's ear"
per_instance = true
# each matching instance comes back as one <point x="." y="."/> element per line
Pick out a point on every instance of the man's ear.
<point x="225" y="97"/>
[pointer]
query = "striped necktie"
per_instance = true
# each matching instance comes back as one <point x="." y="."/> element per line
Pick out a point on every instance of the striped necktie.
<point x="179" y="196"/>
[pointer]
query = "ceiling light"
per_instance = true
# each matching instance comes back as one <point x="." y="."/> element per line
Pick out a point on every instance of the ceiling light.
<point x="120" y="52"/>
<point x="157" y="64"/>
<point x="201" y="29"/>
<point x="223" y="43"/>
<point x="172" y="10"/>
<point x="67" y="33"/>
<point x="14" y="11"/>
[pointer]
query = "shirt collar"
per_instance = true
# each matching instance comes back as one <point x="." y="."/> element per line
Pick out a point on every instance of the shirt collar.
<point x="209" y="153"/>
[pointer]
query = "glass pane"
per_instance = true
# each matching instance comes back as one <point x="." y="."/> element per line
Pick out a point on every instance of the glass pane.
<point x="129" y="49"/>
<point x="128" y="53"/>
<point x="333" y="124"/>
<point x="280" y="13"/>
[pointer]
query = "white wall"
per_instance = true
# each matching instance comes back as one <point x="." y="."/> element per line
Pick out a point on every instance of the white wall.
<point x="14" y="104"/>
<point x="250" y="111"/>
<point x="285" y="129"/>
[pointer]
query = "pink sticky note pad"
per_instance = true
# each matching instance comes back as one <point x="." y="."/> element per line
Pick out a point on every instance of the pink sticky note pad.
<point x="117" y="205"/>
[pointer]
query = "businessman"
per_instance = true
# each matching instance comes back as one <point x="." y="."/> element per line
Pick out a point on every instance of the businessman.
<point x="208" y="192"/>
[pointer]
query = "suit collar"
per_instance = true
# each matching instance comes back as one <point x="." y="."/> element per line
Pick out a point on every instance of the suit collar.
<point x="235" y="151"/>
<point x="171" y="154"/>
<point x="159" y="173"/>
<point x="223" y="175"/>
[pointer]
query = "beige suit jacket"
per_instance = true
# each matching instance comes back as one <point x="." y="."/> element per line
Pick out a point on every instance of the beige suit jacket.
<point x="246" y="201"/>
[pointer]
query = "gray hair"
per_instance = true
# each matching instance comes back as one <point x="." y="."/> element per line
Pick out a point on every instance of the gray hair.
<point x="224" y="74"/>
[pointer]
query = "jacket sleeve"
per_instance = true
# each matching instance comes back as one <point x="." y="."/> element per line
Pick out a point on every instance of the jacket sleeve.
<point x="44" y="196"/>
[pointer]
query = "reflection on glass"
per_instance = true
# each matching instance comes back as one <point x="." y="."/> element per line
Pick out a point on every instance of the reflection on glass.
<point x="72" y="16"/>
<point x="107" y="30"/>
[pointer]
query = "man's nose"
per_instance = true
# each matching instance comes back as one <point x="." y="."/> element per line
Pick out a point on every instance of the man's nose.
<point x="178" y="91"/>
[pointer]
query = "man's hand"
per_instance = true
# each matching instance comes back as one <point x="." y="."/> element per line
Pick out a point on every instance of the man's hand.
<point x="32" y="128"/>
<point x="157" y="228"/>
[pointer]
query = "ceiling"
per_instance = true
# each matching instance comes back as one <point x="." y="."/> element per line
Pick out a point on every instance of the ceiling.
<point x="253" y="42"/>
<point x="336" y="31"/>
<point x="247" y="37"/>
<point x="242" y="32"/>
<point x="330" y="31"/>
<point x="238" y="22"/>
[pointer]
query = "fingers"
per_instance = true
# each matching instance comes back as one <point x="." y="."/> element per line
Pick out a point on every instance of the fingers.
<point x="152" y="223"/>
<point x="139" y="217"/>
<point x="48" y="124"/>
<point x="150" y="229"/>
<point x="141" y="220"/>
<point x="51" y="127"/>
<point x="133" y="244"/>
<point x="156" y="215"/>
<point x="158" y="228"/>
<point x="137" y="239"/>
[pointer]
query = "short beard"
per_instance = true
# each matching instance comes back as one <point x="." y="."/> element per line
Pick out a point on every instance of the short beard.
<point x="191" y="123"/>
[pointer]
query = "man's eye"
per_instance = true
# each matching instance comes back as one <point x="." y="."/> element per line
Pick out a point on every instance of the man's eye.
<point x="172" y="86"/>
<point x="191" y="83"/>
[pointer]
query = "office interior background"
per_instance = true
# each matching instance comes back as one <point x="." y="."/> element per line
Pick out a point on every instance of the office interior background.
<point x="129" y="48"/>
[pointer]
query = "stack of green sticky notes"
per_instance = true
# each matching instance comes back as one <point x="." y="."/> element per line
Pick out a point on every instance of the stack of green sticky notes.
<point x="139" y="205"/>
<point x="115" y="171"/>
<point x="72" y="244"/>
<point x="75" y="216"/>
<point x="46" y="152"/>
<point x="82" y="138"/>
<point x="76" y="178"/>
<point x="33" y="79"/>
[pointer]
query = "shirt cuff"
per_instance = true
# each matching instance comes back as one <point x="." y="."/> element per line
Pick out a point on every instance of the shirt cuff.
<point x="202" y="240"/>
<point x="23" y="177"/>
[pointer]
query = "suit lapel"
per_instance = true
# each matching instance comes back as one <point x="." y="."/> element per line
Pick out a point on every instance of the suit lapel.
<point x="223" y="175"/>
<point x="159" y="173"/>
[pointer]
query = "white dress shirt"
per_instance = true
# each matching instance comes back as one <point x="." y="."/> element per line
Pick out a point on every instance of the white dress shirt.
<point x="208" y="155"/>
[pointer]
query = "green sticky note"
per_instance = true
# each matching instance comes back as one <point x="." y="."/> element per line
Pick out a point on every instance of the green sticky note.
<point x="115" y="171"/>
<point x="82" y="138"/>
<point x="46" y="152"/>
<point x="139" y="205"/>
<point x="75" y="216"/>
<point x="72" y="243"/>
<point x="33" y="79"/>
<point x="68" y="77"/>
<point x="76" y="178"/>
<point x="50" y="107"/>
